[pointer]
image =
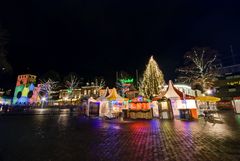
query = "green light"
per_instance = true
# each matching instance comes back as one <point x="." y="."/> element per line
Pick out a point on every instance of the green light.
<point x="126" y="80"/>
<point x="69" y="90"/>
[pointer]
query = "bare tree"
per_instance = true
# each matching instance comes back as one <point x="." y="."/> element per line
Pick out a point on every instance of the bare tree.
<point x="72" y="83"/>
<point x="121" y="87"/>
<point x="47" y="88"/>
<point x="201" y="68"/>
<point x="100" y="83"/>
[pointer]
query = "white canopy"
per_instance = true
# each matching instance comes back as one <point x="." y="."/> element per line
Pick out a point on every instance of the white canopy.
<point x="171" y="92"/>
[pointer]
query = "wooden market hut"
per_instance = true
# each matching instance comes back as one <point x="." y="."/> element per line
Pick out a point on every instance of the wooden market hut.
<point x="164" y="107"/>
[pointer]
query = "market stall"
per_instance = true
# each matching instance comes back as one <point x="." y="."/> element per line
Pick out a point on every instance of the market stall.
<point x="139" y="108"/>
<point x="164" y="107"/>
<point x="206" y="103"/>
<point x="103" y="103"/>
<point x="116" y="103"/>
<point x="93" y="107"/>
<point x="183" y="105"/>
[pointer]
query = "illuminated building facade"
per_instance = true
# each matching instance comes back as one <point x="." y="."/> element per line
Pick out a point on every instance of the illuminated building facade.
<point x="228" y="85"/>
<point x="26" y="92"/>
<point x="73" y="97"/>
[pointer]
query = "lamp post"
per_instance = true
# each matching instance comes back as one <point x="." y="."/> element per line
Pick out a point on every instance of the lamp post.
<point x="209" y="92"/>
<point x="65" y="100"/>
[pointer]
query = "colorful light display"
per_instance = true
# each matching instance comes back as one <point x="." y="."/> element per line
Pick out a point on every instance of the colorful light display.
<point x="25" y="91"/>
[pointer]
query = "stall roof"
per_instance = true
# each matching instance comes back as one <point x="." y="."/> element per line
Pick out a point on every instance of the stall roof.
<point x="173" y="92"/>
<point x="208" y="98"/>
<point x="113" y="96"/>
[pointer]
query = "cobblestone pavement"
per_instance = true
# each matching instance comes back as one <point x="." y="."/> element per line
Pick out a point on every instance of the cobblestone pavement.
<point x="66" y="138"/>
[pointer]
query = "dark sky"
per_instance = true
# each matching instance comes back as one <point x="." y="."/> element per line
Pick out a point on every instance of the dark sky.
<point x="99" y="37"/>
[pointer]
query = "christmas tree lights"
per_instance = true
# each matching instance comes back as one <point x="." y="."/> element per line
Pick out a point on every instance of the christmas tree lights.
<point x="153" y="80"/>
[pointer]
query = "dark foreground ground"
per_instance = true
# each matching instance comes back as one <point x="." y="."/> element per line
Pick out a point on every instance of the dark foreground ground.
<point x="69" y="137"/>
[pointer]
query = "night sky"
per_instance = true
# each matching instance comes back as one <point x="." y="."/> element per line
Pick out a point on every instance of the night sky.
<point x="100" y="37"/>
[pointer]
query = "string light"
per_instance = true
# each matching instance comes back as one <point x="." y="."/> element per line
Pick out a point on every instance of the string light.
<point x="152" y="79"/>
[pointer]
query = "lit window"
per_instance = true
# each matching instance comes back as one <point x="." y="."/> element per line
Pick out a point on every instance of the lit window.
<point x="229" y="77"/>
<point x="232" y="90"/>
<point x="237" y="76"/>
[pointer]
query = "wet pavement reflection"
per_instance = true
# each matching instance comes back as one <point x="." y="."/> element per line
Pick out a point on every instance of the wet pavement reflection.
<point x="67" y="137"/>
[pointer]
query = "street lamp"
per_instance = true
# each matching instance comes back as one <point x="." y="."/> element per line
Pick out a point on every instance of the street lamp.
<point x="209" y="91"/>
<point x="65" y="100"/>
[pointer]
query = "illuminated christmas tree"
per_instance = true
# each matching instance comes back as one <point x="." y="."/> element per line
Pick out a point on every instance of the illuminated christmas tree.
<point x="153" y="81"/>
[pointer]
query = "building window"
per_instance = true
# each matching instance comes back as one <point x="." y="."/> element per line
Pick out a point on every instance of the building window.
<point x="229" y="77"/>
<point x="237" y="76"/>
<point x="232" y="90"/>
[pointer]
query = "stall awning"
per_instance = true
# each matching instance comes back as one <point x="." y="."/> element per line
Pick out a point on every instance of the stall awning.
<point x="208" y="98"/>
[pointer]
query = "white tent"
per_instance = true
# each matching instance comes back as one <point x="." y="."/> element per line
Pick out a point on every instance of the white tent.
<point x="171" y="92"/>
<point x="179" y="100"/>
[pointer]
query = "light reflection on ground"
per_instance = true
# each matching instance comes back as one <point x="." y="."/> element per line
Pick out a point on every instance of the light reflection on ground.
<point x="72" y="137"/>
